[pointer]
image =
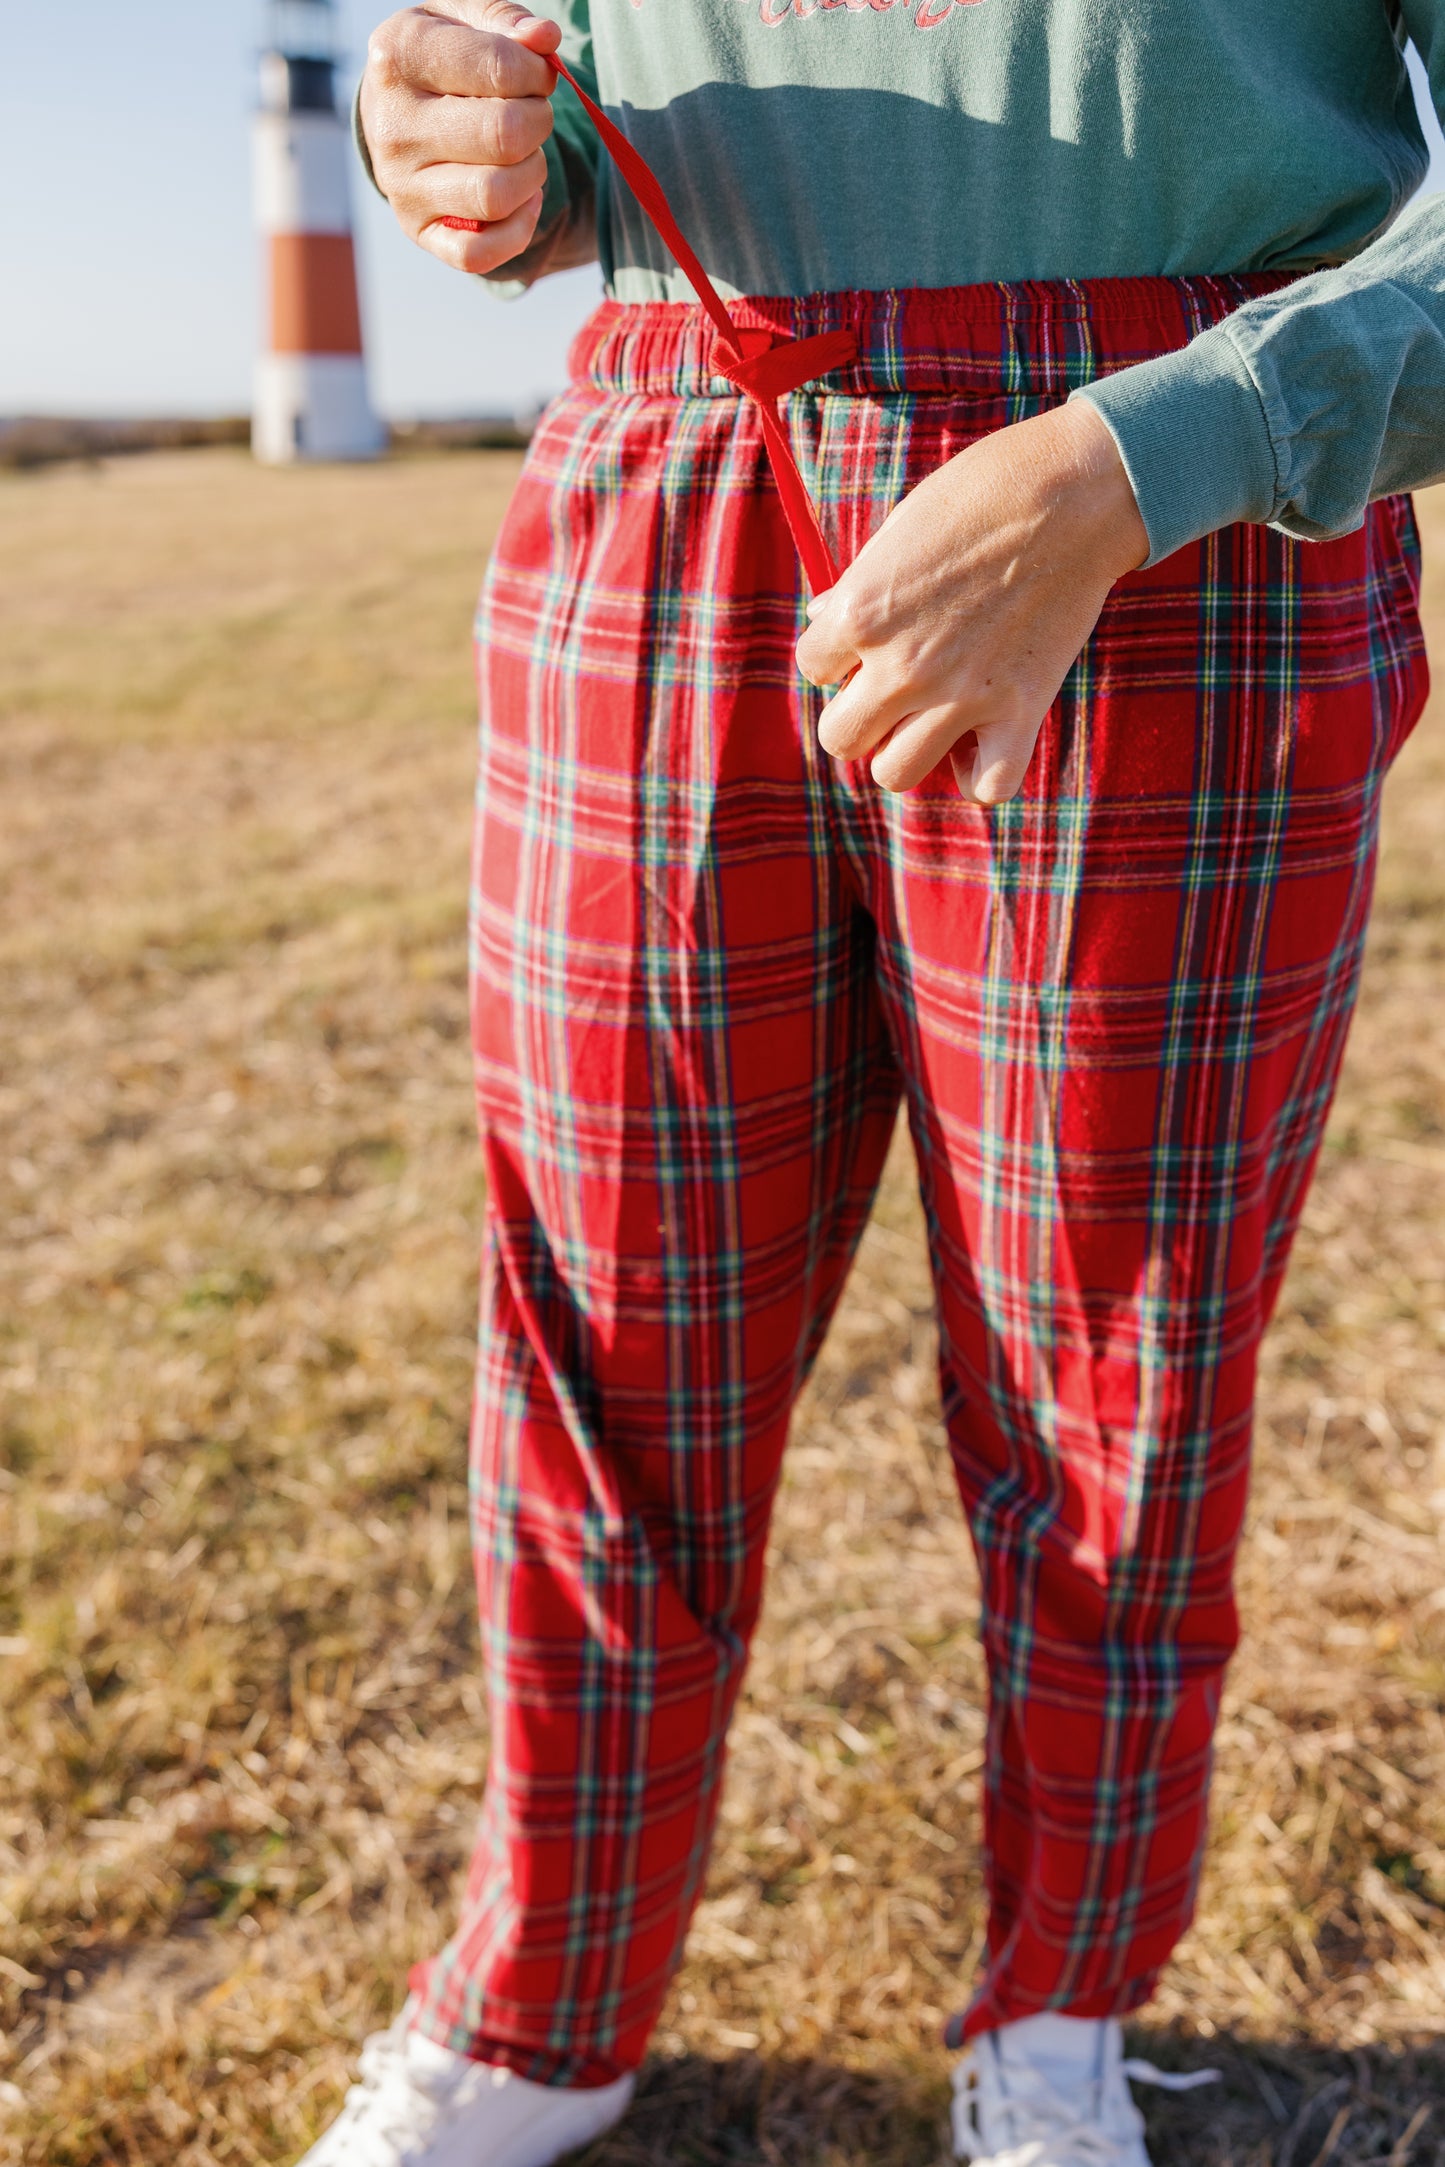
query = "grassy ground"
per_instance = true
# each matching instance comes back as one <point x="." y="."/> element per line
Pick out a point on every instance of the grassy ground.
<point x="240" y="1736"/>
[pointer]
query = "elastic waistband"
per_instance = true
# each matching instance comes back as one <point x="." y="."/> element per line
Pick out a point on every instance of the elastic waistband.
<point x="1035" y="339"/>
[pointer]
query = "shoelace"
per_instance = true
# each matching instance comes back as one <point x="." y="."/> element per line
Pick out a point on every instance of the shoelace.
<point x="1169" y="2080"/>
<point x="762" y="364"/>
<point x="1044" y="2125"/>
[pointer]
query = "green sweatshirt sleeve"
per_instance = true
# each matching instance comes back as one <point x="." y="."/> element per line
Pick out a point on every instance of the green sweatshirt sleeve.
<point x="1304" y="406"/>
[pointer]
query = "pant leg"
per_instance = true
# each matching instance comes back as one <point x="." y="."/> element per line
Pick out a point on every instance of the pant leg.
<point x="685" y="1097"/>
<point x="1121" y="1004"/>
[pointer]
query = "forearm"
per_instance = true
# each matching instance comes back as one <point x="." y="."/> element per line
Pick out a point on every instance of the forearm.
<point x="1303" y="407"/>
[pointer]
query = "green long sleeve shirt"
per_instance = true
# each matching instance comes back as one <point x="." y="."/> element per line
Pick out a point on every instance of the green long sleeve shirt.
<point x="809" y="145"/>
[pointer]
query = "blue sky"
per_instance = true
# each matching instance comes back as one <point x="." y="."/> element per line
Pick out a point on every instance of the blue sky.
<point x="126" y="252"/>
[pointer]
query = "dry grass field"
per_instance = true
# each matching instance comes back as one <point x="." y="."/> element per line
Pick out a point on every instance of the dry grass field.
<point x="241" y="1741"/>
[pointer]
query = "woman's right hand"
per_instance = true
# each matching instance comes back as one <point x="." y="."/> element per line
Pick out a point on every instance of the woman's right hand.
<point x="456" y="105"/>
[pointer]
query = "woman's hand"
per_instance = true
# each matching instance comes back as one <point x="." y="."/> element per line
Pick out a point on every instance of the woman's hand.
<point x="455" y="105"/>
<point x="961" y="617"/>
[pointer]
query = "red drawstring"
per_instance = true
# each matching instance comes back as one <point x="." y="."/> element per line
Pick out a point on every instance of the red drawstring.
<point x="761" y="364"/>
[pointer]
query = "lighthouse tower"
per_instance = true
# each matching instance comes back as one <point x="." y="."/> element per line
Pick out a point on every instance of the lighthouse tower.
<point x="311" y="397"/>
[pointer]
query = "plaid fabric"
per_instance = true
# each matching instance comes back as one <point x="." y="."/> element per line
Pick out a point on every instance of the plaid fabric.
<point x="707" y="962"/>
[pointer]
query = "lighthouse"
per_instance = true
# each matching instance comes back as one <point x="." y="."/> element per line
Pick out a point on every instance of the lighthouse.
<point x="311" y="396"/>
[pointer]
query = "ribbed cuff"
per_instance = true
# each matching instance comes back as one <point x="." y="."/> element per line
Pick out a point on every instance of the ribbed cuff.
<point x="1192" y="434"/>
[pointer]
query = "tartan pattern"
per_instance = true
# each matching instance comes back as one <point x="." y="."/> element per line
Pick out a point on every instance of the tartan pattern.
<point x="707" y="963"/>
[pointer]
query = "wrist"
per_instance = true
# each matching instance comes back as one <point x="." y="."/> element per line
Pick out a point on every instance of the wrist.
<point x="1099" y="481"/>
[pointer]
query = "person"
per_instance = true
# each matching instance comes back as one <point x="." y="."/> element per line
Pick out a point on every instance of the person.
<point x="1059" y="827"/>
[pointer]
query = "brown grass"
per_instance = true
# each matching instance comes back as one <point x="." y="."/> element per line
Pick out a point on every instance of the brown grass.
<point x="241" y="1740"/>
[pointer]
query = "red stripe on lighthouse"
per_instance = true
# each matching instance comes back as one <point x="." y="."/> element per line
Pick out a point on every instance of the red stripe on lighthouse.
<point x="314" y="306"/>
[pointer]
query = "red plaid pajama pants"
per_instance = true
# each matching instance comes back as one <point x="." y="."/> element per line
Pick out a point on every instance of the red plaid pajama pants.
<point x="708" y="963"/>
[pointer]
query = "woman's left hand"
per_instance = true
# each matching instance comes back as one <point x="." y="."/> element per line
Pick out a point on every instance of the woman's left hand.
<point x="962" y="615"/>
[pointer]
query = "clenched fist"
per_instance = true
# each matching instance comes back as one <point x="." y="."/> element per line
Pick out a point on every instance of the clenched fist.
<point x="455" y="105"/>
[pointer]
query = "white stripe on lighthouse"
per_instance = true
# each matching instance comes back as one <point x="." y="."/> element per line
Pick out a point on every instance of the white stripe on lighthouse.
<point x="302" y="162"/>
<point x="326" y="394"/>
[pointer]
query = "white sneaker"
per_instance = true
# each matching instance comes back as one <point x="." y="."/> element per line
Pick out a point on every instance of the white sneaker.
<point x="421" y="2105"/>
<point x="1052" y="2091"/>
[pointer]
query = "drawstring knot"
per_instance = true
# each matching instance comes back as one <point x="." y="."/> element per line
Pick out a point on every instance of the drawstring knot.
<point x="766" y="364"/>
<point x="761" y="371"/>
